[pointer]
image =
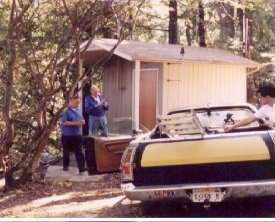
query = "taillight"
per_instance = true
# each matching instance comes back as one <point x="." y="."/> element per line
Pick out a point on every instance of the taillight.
<point x="127" y="164"/>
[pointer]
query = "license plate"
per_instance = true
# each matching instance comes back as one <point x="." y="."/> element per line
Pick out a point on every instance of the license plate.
<point x="212" y="195"/>
<point x="165" y="193"/>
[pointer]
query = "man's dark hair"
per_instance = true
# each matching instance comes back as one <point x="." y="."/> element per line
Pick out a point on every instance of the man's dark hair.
<point x="267" y="90"/>
<point x="75" y="97"/>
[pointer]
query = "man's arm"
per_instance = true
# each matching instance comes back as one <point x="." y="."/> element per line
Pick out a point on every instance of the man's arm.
<point x="104" y="103"/>
<point x="243" y="122"/>
<point x="70" y="123"/>
<point x="65" y="122"/>
<point x="90" y="105"/>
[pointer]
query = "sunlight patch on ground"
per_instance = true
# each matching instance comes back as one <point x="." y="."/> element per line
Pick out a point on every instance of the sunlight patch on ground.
<point x="60" y="210"/>
<point x="47" y="200"/>
<point x="56" y="173"/>
<point x="64" y="197"/>
<point x="126" y="202"/>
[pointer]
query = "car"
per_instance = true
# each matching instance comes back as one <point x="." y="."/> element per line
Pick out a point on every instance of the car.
<point x="189" y="157"/>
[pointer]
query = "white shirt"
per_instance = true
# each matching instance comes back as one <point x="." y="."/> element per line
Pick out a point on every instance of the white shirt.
<point x="97" y="99"/>
<point x="266" y="112"/>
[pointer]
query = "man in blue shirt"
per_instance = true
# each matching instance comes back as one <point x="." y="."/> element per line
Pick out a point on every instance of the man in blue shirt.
<point x="95" y="106"/>
<point x="71" y="129"/>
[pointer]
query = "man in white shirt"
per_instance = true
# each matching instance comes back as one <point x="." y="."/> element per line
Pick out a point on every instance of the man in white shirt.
<point x="96" y="105"/>
<point x="266" y="95"/>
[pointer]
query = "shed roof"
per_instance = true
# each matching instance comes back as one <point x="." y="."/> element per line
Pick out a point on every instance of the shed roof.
<point x="156" y="52"/>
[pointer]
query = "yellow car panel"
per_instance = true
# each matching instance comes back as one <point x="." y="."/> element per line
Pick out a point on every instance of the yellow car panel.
<point x="205" y="151"/>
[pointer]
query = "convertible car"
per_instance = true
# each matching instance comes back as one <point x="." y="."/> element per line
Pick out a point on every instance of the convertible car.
<point x="188" y="156"/>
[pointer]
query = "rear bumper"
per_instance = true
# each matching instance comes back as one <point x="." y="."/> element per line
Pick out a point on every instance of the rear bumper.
<point x="231" y="190"/>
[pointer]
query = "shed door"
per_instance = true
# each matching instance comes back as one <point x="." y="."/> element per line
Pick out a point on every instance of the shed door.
<point x="148" y="98"/>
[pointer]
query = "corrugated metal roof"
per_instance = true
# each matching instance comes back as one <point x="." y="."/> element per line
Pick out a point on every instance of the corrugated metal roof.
<point x="155" y="52"/>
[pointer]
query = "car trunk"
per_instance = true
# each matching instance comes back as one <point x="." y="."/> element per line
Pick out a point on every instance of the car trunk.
<point x="204" y="161"/>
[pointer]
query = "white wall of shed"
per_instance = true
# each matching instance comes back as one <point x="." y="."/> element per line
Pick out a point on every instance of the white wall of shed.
<point x="192" y="84"/>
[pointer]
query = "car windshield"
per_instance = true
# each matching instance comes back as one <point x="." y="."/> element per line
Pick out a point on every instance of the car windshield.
<point x="202" y="121"/>
<point x="218" y="118"/>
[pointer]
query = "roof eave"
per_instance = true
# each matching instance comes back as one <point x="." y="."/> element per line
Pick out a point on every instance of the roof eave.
<point x="178" y="61"/>
<point x="109" y="48"/>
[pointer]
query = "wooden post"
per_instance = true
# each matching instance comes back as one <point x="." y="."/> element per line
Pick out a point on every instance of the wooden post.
<point x="135" y="104"/>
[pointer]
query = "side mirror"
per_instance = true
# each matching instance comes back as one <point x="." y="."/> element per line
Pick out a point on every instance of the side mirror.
<point x="229" y="119"/>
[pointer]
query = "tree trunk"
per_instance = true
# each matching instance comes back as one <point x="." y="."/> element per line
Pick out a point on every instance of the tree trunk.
<point x="251" y="88"/>
<point x="33" y="164"/>
<point x="249" y="33"/>
<point x="9" y="129"/>
<point x="188" y="33"/>
<point x="173" y="22"/>
<point x="201" y="28"/>
<point x="240" y="22"/>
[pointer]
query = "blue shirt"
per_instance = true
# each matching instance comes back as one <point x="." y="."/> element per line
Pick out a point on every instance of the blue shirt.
<point x="91" y="109"/>
<point x="72" y="116"/>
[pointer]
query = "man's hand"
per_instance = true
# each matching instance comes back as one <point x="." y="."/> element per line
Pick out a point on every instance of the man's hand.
<point x="243" y="122"/>
<point x="99" y="104"/>
<point x="80" y="123"/>
<point x="105" y="104"/>
<point x="102" y="104"/>
<point x="228" y="128"/>
<point x="269" y="123"/>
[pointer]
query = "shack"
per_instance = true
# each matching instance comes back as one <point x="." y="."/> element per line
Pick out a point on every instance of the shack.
<point x="142" y="80"/>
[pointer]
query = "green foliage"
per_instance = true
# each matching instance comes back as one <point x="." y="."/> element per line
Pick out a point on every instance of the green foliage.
<point x="46" y="73"/>
<point x="265" y="75"/>
<point x="263" y="26"/>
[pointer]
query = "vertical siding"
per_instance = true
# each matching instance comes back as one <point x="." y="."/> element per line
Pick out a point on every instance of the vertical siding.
<point x="126" y="88"/>
<point x="193" y="84"/>
<point x="117" y="81"/>
<point x="173" y="86"/>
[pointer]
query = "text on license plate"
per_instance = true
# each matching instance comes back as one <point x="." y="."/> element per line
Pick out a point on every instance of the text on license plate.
<point x="212" y="195"/>
<point x="165" y="193"/>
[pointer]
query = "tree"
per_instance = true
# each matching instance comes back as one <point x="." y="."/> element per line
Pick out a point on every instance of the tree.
<point x="173" y="22"/>
<point x="42" y="71"/>
<point x="201" y="28"/>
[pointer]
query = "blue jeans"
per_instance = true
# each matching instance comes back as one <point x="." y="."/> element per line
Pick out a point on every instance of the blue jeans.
<point x="97" y="124"/>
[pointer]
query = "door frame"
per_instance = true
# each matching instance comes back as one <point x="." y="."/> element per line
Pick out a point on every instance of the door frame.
<point x="136" y="90"/>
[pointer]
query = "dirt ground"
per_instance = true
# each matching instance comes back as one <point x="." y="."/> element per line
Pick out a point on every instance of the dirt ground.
<point x="70" y="195"/>
<point x="98" y="198"/>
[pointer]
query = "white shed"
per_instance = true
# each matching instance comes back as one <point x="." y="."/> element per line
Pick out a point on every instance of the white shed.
<point x="142" y="80"/>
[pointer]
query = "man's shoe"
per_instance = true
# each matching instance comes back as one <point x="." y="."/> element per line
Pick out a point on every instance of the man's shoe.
<point x="65" y="168"/>
<point x="82" y="170"/>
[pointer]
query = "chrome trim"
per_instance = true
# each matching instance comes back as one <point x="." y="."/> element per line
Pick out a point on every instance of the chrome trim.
<point x="213" y="106"/>
<point x="233" y="190"/>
